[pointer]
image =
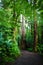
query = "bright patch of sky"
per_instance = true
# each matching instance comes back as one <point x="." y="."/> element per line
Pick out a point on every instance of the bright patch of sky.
<point x="1" y="4"/>
<point x="0" y="0"/>
<point x="29" y="1"/>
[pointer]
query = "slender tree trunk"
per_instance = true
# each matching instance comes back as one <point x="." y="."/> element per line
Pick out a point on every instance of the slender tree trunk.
<point x="31" y="29"/>
<point x="23" y="33"/>
<point x="35" y="36"/>
<point x="42" y="34"/>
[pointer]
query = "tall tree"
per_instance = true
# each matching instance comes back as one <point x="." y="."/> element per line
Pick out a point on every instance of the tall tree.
<point x="23" y="45"/>
<point x="35" y="25"/>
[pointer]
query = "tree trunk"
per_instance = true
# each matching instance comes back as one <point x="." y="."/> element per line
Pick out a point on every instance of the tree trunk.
<point x="23" y="46"/>
<point x="42" y="34"/>
<point x="35" y="36"/>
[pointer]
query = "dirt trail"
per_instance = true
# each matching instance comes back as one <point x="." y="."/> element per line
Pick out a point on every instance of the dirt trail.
<point x="28" y="58"/>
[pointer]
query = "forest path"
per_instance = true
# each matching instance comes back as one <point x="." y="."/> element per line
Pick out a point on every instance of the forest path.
<point x="28" y="58"/>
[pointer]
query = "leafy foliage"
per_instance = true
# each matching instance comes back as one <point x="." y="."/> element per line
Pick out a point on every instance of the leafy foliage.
<point x="8" y="46"/>
<point x="10" y="26"/>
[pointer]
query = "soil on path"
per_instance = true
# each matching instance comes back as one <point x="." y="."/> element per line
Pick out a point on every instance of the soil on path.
<point x="28" y="58"/>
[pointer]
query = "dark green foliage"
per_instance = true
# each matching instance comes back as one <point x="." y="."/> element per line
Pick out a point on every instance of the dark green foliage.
<point x="40" y="48"/>
<point x="10" y="26"/>
<point x="8" y="47"/>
